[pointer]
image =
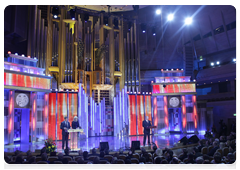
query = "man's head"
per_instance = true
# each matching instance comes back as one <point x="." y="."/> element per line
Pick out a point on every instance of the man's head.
<point x="217" y="158"/>
<point x="60" y="156"/>
<point x="89" y="165"/>
<point x="66" y="151"/>
<point x="32" y="159"/>
<point x="215" y="143"/>
<point x="158" y="152"/>
<point x="190" y="156"/>
<point x="154" y="148"/>
<point x="80" y="152"/>
<point x="29" y="153"/>
<point x="52" y="165"/>
<point x="94" y="151"/>
<point x="164" y="161"/>
<point x="175" y="160"/>
<point x="184" y="150"/>
<point x="146" y="117"/>
<point x="44" y="157"/>
<point x="75" y="118"/>
<point x="19" y="158"/>
<point x="85" y="154"/>
<point x="66" y="118"/>
<point x="230" y="157"/>
<point x="157" y="160"/>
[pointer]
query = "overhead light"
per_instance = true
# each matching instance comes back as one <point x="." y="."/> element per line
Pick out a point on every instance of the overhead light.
<point x="55" y="11"/>
<point x="170" y="17"/>
<point x="67" y="90"/>
<point x="143" y="31"/>
<point x="212" y="64"/>
<point x="16" y="53"/>
<point x="72" y="90"/>
<point x="234" y="60"/>
<point x="158" y="11"/>
<point x="146" y="92"/>
<point x="72" y="14"/>
<point x="217" y="62"/>
<point x="182" y="69"/>
<point x="153" y="31"/>
<point x="188" y="21"/>
<point x="154" y="34"/>
<point x="227" y="80"/>
<point x="56" y="90"/>
<point x="143" y="27"/>
<point x="23" y="55"/>
<point x="211" y="82"/>
<point x="29" y="57"/>
<point x="9" y="52"/>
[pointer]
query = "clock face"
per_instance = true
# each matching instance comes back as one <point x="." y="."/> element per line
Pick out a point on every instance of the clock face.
<point x="174" y="101"/>
<point x="22" y="100"/>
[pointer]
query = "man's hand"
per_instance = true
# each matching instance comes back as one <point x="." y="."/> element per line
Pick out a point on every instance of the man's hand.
<point x="65" y="128"/>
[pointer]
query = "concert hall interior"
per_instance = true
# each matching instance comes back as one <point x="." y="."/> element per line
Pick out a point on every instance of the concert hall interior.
<point x="122" y="77"/>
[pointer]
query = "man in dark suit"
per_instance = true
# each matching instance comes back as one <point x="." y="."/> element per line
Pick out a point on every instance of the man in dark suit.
<point x="65" y="125"/>
<point x="214" y="149"/>
<point x="146" y="123"/>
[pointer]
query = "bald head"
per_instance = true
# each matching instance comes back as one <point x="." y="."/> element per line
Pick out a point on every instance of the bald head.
<point x="146" y="118"/>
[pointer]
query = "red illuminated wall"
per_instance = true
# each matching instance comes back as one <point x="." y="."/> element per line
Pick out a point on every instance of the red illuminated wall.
<point x="61" y="112"/>
<point x="11" y="79"/>
<point x="132" y="114"/>
<point x="148" y="107"/>
<point x="72" y="107"/>
<point x="140" y="112"/>
<point x="174" y="88"/>
<point x="52" y="116"/>
<point x="194" y="111"/>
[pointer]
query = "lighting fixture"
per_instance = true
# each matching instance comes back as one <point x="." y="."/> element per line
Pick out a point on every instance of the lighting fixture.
<point x="188" y="21"/>
<point x="212" y="64"/>
<point x="158" y="11"/>
<point x="170" y="17"/>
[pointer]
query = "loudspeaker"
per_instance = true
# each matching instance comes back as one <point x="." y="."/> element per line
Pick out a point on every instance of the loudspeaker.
<point x="136" y="145"/>
<point x="193" y="139"/>
<point x="103" y="146"/>
<point x="184" y="140"/>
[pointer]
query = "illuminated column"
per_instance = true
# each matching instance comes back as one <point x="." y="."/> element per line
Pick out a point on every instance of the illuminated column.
<point x="45" y="119"/>
<point x="195" y="115"/>
<point x="33" y="116"/>
<point x="166" y="115"/>
<point x="154" y="111"/>
<point x="184" y="116"/>
<point x="10" y="126"/>
<point x="114" y="116"/>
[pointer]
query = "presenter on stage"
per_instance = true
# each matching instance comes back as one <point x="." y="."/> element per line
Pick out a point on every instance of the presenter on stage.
<point x="146" y="123"/>
<point x="65" y="125"/>
<point x="75" y="123"/>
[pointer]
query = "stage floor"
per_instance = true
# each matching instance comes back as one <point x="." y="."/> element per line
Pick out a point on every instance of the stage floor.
<point x="115" y="143"/>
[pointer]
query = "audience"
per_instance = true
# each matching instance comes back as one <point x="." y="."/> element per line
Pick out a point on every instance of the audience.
<point x="159" y="156"/>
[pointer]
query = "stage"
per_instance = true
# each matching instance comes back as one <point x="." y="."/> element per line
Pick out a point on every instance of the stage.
<point x="115" y="143"/>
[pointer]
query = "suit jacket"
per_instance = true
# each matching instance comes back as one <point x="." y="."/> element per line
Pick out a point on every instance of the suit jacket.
<point x="146" y="124"/>
<point x="75" y="125"/>
<point x="63" y="125"/>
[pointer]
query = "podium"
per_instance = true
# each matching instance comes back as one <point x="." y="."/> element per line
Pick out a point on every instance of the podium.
<point x="74" y="138"/>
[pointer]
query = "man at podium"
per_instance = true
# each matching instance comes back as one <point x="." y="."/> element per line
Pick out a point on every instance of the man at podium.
<point x="65" y="125"/>
<point x="146" y="124"/>
<point x="75" y="123"/>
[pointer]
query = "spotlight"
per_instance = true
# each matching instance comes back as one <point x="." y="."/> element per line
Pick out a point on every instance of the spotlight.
<point x="234" y="60"/>
<point x="153" y="31"/>
<point x="55" y="12"/>
<point x="170" y="17"/>
<point x="9" y="52"/>
<point x="212" y="64"/>
<point x="218" y="63"/>
<point x="188" y="21"/>
<point x="105" y="20"/>
<point x="129" y="25"/>
<point x="16" y="53"/>
<point x="158" y="12"/>
<point x="86" y="17"/>
<point x="143" y="27"/>
<point x="72" y="14"/>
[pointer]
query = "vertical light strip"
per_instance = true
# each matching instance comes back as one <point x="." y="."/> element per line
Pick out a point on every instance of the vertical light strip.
<point x="166" y="114"/>
<point x="195" y="112"/>
<point x="115" y="118"/>
<point x="56" y="116"/>
<point x="184" y="116"/>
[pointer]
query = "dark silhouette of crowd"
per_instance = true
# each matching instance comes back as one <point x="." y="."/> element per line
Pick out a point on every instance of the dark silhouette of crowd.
<point x="220" y="150"/>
